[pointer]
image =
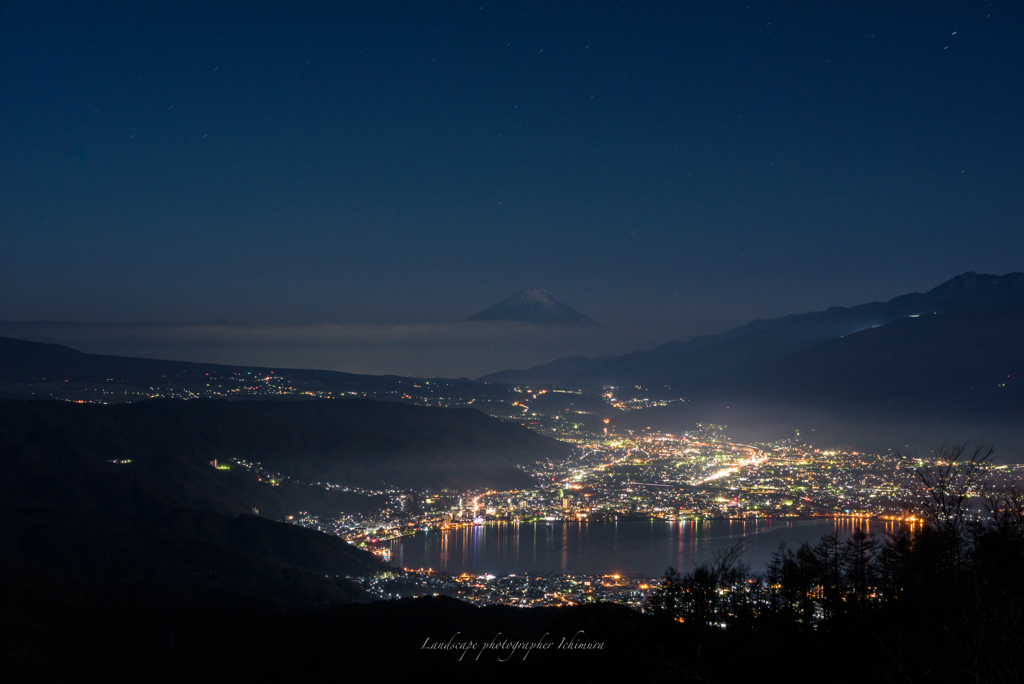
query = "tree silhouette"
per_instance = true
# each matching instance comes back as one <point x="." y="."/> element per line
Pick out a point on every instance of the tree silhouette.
<point x="949" y="486"/>
<point x="858" y="562"/>
<point x="665" y="600"/>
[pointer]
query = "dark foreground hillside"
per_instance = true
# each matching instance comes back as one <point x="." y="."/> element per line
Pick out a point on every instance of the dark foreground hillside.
<point x="126" y="494"/>
<point x="63" y="631"/>
<point x="85" y="500"/>
<point x="343" y="441"/>
<point x="115" y="524"/>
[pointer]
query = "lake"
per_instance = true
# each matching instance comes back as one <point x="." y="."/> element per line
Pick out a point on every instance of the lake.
<point x="632" y="548"/>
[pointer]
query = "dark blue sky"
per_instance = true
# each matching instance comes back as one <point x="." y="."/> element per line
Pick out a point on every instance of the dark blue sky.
<point x="656" y="162"/>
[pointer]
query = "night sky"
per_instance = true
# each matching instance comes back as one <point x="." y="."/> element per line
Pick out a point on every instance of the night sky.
<point x="670" y="168"/>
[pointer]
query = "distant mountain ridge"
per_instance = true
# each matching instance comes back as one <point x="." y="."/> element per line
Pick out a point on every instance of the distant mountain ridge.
<point x="962" y="359"/>
<point x="686" y="364"/>
<point x="733" y="361"/>
<point x="532" y="306"/>
<point x="39" y="370"/>
<point x="30" y="361"/>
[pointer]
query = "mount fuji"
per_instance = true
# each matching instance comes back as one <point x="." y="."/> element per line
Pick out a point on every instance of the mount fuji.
<point x="532" y="306"/>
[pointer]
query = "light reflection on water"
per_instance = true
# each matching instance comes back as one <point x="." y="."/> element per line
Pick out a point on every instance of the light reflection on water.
<point x="634" y="547"/>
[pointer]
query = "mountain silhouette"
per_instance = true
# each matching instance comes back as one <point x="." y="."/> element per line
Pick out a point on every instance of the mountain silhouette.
<point x="699" y="365"/>
<point x="532" y="306"/>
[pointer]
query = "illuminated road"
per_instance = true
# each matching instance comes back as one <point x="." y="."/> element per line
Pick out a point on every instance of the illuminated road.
<point x="757" y="458"/>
